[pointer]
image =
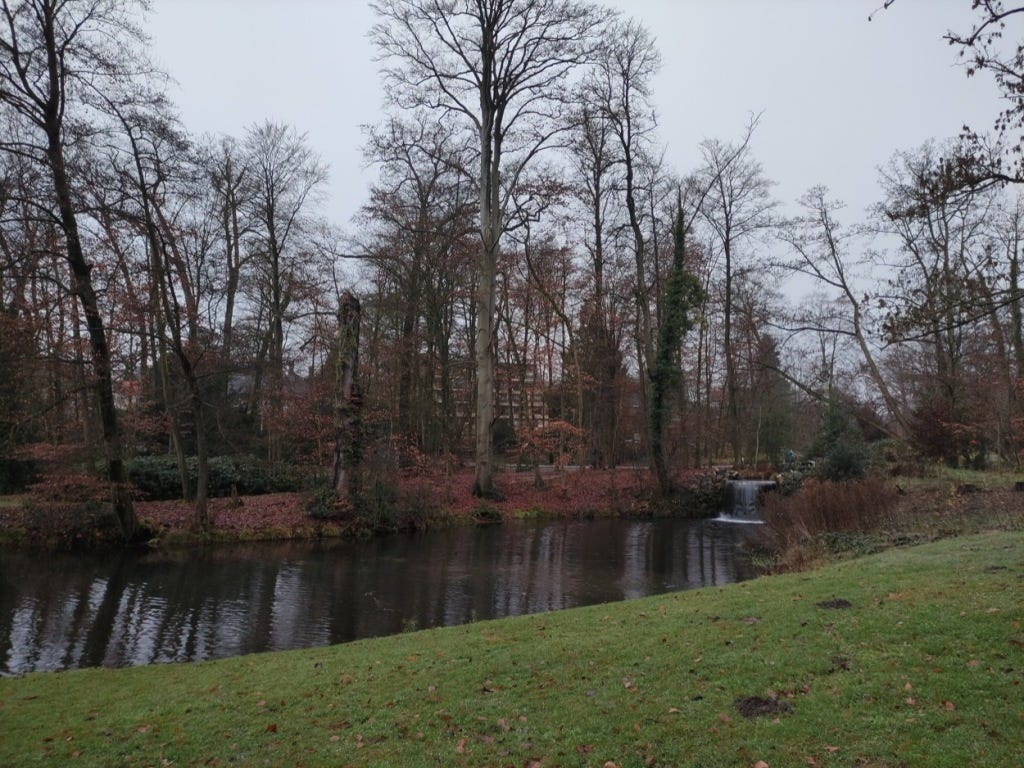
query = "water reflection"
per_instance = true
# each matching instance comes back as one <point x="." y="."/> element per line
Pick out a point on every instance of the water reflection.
<point x="73" y="611"/>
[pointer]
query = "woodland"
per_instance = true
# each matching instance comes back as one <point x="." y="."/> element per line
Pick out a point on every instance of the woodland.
<point x="527" y="283"/>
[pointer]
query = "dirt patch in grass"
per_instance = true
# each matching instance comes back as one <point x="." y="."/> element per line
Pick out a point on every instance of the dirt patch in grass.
<point x="835" y="604"/>
<point x="757" y="706"/>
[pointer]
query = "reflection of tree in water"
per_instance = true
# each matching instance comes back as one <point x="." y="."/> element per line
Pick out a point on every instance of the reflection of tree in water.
<point x="224" y="601"/>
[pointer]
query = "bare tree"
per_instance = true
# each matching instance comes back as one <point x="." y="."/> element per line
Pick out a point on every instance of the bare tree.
<point x="419" y="211"/>
<point x="55" y="56"/>
<point x="502" y="67"/>
<point x="738" y="206"/>
<point x="821" y="251"/>
<point x="287" y="175"/>
<point x="620" y="86"/>
<point x="942" y="290"/>
<point x="232" y="190"/>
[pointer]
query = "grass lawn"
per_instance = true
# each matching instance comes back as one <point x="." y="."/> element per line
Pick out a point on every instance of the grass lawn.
<point x="913" y="657"/>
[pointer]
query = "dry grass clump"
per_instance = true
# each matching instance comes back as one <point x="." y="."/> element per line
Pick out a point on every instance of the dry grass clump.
<point x="801" y="528"/>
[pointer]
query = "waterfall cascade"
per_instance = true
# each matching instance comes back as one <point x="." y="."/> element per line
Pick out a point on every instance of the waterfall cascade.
<point x="741" y="500"/>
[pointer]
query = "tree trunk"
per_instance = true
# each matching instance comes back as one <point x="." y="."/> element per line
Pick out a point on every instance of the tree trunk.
<point x="348" y="443"/>
<point x="82" y="286"/>
<point x="490" y="234"/>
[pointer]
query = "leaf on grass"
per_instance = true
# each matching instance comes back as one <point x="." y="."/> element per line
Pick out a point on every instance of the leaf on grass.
<point x="272" y="728"/>
<point x="460" y="748"/>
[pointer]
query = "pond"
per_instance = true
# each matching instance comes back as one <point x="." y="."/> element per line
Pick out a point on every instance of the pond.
<point x="68" y="611"/>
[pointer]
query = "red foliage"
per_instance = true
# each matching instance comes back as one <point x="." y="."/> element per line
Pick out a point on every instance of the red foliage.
<point x="276" y="514"/>
<point x="559" y="440"/>
<point x="568" y="493"/>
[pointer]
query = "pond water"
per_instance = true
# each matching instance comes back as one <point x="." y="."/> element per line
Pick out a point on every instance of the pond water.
<point x="67" y="611"/>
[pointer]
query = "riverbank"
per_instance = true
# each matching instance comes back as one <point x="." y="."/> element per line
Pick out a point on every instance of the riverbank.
<point x="419" y="501"/>
<point x="909" y="657"/>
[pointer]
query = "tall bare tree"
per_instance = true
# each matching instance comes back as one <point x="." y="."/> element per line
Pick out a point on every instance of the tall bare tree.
<point x="500" y="66"/>
<point x="620" y="86"/>
<point x="419" y="210"/>
<point x="287" y="176"/>
<point x="738" y="206"/>
<point x="821" y="251"/>
<point x="55" y="56"/>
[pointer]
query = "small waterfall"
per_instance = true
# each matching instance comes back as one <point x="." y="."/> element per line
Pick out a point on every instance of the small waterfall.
<point x="741" y="500"/>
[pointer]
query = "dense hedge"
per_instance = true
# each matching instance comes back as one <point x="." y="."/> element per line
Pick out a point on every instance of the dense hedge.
<point x="156" y="477"/>
<point x="16" y="474"/>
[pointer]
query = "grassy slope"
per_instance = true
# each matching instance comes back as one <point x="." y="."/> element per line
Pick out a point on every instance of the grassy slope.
<point x="925" y="668"/>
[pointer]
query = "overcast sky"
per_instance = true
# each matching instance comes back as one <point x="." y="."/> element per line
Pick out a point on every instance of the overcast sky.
<point x="839" y="93"/>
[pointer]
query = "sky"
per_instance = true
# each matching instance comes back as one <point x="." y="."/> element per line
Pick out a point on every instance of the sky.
<point x="838" y="94"/>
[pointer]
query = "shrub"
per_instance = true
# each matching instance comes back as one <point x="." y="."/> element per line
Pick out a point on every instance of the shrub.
<point x="485" y="513"/>
<point x="156" y="477"/>
<point x="821" y="509"/>
<point x="322" y="504"/>
<point x="839" y="445"/>
<point x="16" y="474"/>
<point x="845" y="460"/>
<point x="71" y="509"/>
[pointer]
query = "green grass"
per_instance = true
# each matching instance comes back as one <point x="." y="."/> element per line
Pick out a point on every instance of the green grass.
<point x="925" y="669"/>
<point x="938" y="475"/>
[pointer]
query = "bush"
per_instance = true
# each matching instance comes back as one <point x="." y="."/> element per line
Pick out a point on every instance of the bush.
<point x="322" y="504"/>
<point x="156" y="477"/>
<point x="485" y="513"/>
<point x="840" y="445"/>
<point x="821" y="509"/>
<point x="71" y="510"/>
<point x="845" y="460"/>
<point x="16" y="474"/>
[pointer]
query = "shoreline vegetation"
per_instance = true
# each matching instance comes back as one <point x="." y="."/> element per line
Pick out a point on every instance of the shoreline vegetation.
<point x="907" y="657"/>
<point x="416" y="502"/>
<point x="808" y="521"/>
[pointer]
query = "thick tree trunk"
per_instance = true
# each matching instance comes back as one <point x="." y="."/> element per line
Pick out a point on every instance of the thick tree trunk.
<point x="81" y="272"/>
<point x="347" y="443"/>
<point x="490" y="234"/>
<point x="483" y="480"/>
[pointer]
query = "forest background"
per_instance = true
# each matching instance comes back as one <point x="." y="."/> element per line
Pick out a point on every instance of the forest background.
<point x="170" y="301"/>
